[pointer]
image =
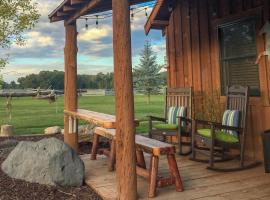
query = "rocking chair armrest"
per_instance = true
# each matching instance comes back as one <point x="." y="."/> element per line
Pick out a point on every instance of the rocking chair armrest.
<point x="229" y="128"/>
<point x="216" y="125"/>
<point x="185" y="119"/>
<point x="153" y="118"/>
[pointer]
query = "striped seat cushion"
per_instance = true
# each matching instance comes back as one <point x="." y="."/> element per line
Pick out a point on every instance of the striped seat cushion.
<point x="174" y="112"/>
<point x="231" y="118"/>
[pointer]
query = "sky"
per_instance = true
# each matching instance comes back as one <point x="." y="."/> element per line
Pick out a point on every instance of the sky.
<point x="45" y="43"/>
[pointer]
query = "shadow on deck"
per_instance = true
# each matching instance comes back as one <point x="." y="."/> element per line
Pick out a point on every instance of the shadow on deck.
<point x="199" y="183"/>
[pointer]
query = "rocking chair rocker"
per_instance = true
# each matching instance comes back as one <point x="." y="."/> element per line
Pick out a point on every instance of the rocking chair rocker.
<point x="218" y="139"/>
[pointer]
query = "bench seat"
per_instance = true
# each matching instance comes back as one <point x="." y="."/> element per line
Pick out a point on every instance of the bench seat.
<point x="143" y="145"/>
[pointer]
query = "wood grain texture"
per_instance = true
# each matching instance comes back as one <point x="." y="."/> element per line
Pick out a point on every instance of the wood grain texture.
<point x="199" y="182"/>
<point x="144" y="144"/>
<point x="203" y="45"/>
<point x="153" y="176"/>
<point x="70" y="90"/>
<point x="100" y="119"/>
<point x="124" y="101"/>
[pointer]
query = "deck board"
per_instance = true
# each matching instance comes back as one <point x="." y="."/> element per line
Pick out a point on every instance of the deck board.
<point x="199" y="183"/>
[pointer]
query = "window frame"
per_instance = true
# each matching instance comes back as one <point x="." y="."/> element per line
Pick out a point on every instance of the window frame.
<point x="223" y="72"/>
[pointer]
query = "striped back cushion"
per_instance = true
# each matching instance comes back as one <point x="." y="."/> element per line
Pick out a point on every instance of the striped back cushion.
<point x="174" y="112"/>
<point x="231" y="118"/>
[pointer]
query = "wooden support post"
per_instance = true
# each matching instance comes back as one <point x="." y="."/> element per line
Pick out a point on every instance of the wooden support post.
<point x="125" y="131"/>
<point x="70" y="97"/>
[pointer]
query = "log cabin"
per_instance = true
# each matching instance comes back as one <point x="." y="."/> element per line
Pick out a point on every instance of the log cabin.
<point x="210" y="44"/>
<point x="214" y="43"/>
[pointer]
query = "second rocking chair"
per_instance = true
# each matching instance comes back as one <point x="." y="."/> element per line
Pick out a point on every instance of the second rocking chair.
<point x="217" y="140"/>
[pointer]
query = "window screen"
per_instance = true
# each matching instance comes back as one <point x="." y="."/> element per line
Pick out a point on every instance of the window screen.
<point x="238" y="55"/>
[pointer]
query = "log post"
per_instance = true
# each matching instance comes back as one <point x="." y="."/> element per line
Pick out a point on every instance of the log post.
<point x="125" y="131"/>
<point x="70" y="96"/>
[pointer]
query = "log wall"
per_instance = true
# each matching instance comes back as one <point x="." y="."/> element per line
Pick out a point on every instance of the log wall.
<point x="193" y="55"/>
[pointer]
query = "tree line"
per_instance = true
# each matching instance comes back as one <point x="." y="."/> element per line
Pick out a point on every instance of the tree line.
<point x="55" y="80"/>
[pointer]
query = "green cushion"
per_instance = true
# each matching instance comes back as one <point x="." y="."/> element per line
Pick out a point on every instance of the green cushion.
<point x="165" y="126"/>
<point x="220" y="135"/>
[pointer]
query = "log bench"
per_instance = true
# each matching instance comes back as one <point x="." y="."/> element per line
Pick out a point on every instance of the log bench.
<point x="110" y="153"/>
<point x="99" y="119"/>
<point x="143" y="145"/>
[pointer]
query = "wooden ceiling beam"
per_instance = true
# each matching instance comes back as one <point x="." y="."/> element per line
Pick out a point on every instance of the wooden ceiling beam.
<point x="69" y="8"/>
<point x="82" y="11"/>
<point x="152" y="16"/>
<point x="160" y="23"/>
<point x="60" y="14"/>
<point x="75" y="2"/>
<point x="56" y="19"/>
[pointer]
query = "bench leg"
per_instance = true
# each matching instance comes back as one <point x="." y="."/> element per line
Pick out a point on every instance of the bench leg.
<point x="140" y="159"/>
<point x="153" y="176"/>
<point x="175" y="172"/>
<point x="112" y="156"/>
<point x="94" y="147"/>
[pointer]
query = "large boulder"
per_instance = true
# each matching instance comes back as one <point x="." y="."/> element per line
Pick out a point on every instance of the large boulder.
<point x="48" y="161"/>
<point x="52" y="130"/>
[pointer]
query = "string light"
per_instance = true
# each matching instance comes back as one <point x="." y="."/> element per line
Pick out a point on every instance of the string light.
<point x="145" y="10"/>
<point x="133" y="11"/>
<point x="132" y="14"/>
<point x="86" y="24"/>
<point x="96" y="21"/>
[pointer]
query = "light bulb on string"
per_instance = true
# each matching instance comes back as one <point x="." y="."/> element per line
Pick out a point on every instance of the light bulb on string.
<point x="146" y="14"/>
<point x="132" y="14"/>
<point x="86" y="24"/>
<point x="96" y="21"/>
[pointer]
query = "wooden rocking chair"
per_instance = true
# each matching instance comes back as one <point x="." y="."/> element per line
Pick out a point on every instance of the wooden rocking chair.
<point x="177" y="118"/>
<point x="218" y="139"/>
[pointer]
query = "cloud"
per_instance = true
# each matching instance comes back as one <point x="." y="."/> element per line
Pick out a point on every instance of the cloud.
<point x="94" y="34"/>
<point x="35" y="39"/>
<point x="159" y="47"/>
<point x="45" y="44"/>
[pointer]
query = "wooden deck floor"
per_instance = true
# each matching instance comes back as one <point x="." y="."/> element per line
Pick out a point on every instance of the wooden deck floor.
<point x="199" y="183"/>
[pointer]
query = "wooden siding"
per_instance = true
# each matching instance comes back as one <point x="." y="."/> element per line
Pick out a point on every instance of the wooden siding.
<point x="193" y="55"/>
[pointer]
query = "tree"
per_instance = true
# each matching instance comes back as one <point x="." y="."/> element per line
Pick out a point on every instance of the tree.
<point x="16" y="16"/>
<point x="147" y="76"/>
<point x="2" y="83"/>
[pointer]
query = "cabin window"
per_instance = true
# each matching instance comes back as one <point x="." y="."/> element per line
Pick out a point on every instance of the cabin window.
<point x="238" y="55"/>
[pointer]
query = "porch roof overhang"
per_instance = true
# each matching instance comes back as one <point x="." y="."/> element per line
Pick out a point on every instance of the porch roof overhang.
<point x="70" y="10"/>
<point x="160" y="15"/>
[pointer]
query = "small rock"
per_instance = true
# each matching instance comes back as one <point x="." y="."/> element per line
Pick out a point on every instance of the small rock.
<point x="52" y="130"/>
<point x="48" y="161"/>
<point x="85" y="133"/>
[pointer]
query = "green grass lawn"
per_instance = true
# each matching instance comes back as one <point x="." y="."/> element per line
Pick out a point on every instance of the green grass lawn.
<point x="31" y="116"/>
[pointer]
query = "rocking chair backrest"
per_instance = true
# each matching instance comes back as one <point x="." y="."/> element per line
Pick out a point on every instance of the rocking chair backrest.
<point x="237" y="99"/>
<point x="176" y="97"/>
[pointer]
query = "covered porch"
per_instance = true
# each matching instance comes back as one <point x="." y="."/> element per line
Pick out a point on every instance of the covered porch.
<point x="198" y="182"/>
<point x="192" y="62"/>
